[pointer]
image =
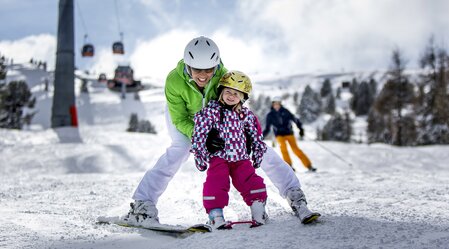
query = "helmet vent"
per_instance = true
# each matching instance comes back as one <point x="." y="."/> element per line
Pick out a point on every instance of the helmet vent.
<point x="191" y="55"/>
<point x="208" y="43"/>
<point x="196" y="42"/>
<point x="212" y="56"/>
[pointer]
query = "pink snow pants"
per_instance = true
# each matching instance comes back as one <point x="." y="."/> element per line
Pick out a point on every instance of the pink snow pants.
<point x="244" y="179"/>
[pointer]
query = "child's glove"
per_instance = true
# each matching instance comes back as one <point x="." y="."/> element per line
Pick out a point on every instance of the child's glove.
<point x="200" y="164"/>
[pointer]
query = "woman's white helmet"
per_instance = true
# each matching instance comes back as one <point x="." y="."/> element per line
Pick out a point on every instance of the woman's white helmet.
<point x="201" y="53"/>
<point x="276" y="99"/>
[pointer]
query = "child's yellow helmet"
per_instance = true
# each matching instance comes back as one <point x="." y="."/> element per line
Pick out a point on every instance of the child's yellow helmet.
<point x="237" y="81"/>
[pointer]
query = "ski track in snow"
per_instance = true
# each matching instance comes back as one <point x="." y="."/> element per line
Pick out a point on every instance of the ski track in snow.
<point x="54" y="183"/>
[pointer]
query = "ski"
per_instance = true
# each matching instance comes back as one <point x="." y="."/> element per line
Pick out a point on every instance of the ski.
<point x="231" y="224"/>
<point x="173" y="230"/>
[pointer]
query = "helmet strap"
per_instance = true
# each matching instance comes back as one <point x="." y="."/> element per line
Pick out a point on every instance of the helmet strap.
<point x="188" y="70"/>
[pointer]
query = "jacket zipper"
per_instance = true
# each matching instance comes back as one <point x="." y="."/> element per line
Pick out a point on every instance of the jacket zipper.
<point x="203" y="96"/>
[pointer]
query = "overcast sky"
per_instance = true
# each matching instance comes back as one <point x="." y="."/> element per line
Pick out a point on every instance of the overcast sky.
<point x="255" y="36"/>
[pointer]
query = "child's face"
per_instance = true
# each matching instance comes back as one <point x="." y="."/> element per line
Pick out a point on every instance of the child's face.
<point x="231" y="96"/>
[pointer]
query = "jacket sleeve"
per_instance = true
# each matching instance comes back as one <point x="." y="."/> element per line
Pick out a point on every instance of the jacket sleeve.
<point x="177" y="109"/>
<point x="203" y="124"/>
<point x="295" y="119"/>
<point x="258" y="147"/>
<point x="267" y="129"/>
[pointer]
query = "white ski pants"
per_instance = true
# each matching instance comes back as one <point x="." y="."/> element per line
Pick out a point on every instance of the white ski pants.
<point x="156" y="179"/>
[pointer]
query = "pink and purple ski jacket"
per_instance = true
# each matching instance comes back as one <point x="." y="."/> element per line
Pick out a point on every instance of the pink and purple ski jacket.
<point x="232" y="127"/>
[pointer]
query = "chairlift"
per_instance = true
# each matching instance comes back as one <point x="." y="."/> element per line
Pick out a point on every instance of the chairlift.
<point x="118" y="48"/>
<point x="88" y="50"/>
<point x="102" y="78"/>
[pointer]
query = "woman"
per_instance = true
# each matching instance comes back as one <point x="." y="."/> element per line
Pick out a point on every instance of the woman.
<point x="188" y="88"/>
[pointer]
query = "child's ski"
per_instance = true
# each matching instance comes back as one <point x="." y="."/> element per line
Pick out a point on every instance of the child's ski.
<point x="230" y="224"/>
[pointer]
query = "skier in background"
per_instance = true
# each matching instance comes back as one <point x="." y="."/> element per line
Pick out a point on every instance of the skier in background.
<point x="188" y="88"/>
<point x="280" y="118"/>
<point x="241" y="132"/>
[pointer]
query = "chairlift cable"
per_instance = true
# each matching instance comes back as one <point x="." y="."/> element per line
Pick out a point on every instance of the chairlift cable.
<point x="118" y="20"/>
<point x="82" y="21"/>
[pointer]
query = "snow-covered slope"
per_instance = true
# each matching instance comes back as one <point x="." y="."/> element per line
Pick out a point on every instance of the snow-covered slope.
<point x="55" y="182"/>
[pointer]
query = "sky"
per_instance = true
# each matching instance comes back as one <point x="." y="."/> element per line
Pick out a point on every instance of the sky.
<point x="274" y="37"/>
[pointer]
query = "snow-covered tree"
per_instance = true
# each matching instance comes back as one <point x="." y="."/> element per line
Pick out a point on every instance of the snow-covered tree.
<point x="373" y="87"/>
<point x="296" y="98"/>
<point x="142" y="126"/>
<point x="326" y="88"/>
<point x="392" y="105"/>
<point x="363" y="99"/>
<point x="2" y="68"/>
<point x="338" y="128"/>
<point x="310" y="106"/>
<point x="14" y="97"/>
<point x="338" y="95"/>
<point x="329" y="104"/>
<point x="354" y="86"/>
<point x="433" y="97"/>
<point x="378" y="129"/>
<point x="260" y="106"/>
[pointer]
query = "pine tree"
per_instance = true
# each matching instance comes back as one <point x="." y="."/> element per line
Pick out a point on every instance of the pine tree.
<point x="373" y="87"/>
<point x="142" y="126"/>
<point x="260" y="106"/>
<point x="296" y="98"/>
<point x="338" y="96"/>
<point x="310" y="107"/>
<point x="133" y="123"/>
<point x="329" y="104"/>
<point x="338" y="128"/>
<point x="363" y="99"/>
<point x="378" y="127"/>
<point x="433" y="97"/>
<point x="393" y="105"/>
<point x="326" y="88"/>
<point x="14" y="97"/>
<point x="354" y="86"/>
<point x="2" y="69"/>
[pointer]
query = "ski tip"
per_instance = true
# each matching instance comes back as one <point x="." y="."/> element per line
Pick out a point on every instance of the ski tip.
<point x="200" y="228"/>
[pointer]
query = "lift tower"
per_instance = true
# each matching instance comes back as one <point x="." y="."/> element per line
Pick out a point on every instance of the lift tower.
<point x="64" y="109"/>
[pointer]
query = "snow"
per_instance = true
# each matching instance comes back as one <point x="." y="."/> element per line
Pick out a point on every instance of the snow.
<point x="54" y="183"/>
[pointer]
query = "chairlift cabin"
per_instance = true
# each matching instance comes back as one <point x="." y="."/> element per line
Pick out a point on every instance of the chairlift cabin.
<point x="102" y="78"/>
<point x="88" y="50"/>
<point x="124" y="75"/>
<point x="118" y="48"/>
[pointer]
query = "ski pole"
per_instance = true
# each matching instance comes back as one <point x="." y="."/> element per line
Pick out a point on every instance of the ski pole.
<point x="331" y="152"/>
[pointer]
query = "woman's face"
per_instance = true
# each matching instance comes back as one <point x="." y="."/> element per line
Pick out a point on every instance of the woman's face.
<point x="202" y="76"/>
<point x="276" y="106"/>
<point x="231" y="97"/>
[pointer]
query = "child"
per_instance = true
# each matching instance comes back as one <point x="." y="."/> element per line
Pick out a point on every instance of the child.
<point x="235" y="125"/>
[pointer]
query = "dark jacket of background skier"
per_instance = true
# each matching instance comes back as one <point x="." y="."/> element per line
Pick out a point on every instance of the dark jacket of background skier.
<point x="281" y="121"/>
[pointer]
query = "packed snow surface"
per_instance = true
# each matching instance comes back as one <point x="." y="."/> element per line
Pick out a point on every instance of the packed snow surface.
<point x="54" y="183"/>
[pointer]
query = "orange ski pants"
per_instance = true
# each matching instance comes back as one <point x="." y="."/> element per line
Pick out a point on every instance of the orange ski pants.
<point x="290" y="139"/>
